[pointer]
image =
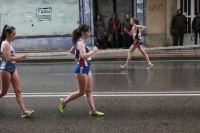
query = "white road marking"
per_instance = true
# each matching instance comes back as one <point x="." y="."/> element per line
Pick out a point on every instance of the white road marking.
<point x="114" y="94"/>
<point x="60" y="74"/>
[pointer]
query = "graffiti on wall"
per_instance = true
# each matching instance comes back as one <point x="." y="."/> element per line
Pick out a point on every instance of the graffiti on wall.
<point x="156" y="7"/>
<point x="44" y="14"/>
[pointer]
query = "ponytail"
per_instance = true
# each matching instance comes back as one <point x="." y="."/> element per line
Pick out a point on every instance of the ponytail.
<point x="3" y="36"/>
<point x="6" y="29"/>
<point x="76" y="34"/>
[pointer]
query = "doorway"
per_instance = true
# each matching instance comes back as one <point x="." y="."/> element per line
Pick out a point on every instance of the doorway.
<point x="190" y="9"/>
<point x="106" y="7"/>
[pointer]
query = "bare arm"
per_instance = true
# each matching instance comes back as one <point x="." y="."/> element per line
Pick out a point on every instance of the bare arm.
<point x="72" y="50"/>
<point x="8" y="55"/>
<point x="83" y="54"/>
<point x="141" y="26"/>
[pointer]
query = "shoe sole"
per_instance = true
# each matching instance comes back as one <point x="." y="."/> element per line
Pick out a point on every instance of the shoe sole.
<point x="150" y="67"/>
<point x="95" y="115"/>
<point x="60" y="110"/>
<point x="29" y="114"/>
<point x="60" y="100"/>
<point x="122" y="67"/>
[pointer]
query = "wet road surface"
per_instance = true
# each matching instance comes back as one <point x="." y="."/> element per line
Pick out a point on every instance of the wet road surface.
<point x="164" y="99"/>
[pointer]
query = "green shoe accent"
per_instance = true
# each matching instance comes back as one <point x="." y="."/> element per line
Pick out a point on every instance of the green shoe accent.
<point x="96" y="113"/>
<point x="27" y="113"/>
<point x="61" y="106"/>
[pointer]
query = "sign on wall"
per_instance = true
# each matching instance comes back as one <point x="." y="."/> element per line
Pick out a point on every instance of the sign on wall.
<point x="44" y="14"/>
<point x="40" y="17"/>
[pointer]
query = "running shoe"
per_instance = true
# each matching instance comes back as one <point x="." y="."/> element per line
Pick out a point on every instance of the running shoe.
<point x="96" y="113"/>
<point x="124" y="66"/>
<point x="61" y="106"/>
<point x="149" y="66"/>
<point x="27" y="113"/>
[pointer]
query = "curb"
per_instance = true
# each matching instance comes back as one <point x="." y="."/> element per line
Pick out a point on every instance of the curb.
<point x="108" y="59"/>
<point x="158" y="53"/>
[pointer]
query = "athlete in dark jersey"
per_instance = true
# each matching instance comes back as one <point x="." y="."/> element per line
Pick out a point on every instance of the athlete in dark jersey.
<point x="136" y="34"/>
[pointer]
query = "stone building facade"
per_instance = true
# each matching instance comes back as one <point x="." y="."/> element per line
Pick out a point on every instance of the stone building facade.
<point x="46" y="25"/>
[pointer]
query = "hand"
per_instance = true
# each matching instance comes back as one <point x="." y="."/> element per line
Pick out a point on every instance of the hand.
<point x="125" y="29"/>
<point x="23" y="56"/>
<point x="95" y="49"/>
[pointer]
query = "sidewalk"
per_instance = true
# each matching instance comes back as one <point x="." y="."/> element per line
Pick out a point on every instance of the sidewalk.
<point x="159" y="53"/>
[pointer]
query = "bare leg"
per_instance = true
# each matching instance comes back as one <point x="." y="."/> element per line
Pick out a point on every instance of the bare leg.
<point x="15" y="80"/>
<point x="5" y="82"/>
<point x="90" y="100"/>
<point x="130" y="51"/>
<point x="89" y="96"/>
<point x="144" y="54"/>
<point x="82" y="85"/>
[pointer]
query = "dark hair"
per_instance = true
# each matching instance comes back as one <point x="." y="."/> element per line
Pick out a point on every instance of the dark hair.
<point x="76" y="34"/>
<point x="6" y="29"/>
<point x="99" y="16"/>
<point x="180" y="10"/>
<point x="125" y="15"/>
<point x="135" y="20"/>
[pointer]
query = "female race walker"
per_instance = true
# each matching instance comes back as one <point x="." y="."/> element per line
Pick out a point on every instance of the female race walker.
<point x="82" y="70"/>
<point x="8" y="69"/>
<point x="136" y="33"/>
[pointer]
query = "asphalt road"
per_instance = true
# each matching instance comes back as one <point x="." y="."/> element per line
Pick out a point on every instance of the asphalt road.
<point x="164" y="99"/>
